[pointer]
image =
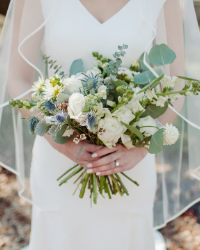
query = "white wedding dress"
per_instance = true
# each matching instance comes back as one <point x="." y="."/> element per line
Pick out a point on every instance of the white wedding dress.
<point x="61" y="221"/>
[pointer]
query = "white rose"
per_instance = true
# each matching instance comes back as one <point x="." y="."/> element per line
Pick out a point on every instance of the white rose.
<point x="102" y="91"/>
<point x="147" y="121"/>
<point x="126" y="140"/>
<point x="73" y="84"/>
<point x="151" y="94"/>
<point x="166" y="81"/>
<point x="113" y="131"/>
<point x="135" y="106"/>
<point x="124" y="114"/>
<point x="76" y="103"/>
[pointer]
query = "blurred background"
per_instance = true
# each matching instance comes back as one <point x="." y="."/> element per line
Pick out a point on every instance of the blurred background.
<point x="15" y="214"/>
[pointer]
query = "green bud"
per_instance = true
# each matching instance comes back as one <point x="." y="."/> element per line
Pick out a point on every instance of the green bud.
<point x="188" y="83"/>
<point x="111" y="104"/>
<point x="20" y="105"/>
<point x="119" y="99"/>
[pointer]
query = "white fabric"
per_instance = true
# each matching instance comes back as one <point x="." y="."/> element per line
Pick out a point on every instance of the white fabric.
<point x="58" y="217"/>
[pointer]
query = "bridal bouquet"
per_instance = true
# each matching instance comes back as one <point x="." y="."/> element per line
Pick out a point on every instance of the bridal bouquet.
<point x="106" y="105"/>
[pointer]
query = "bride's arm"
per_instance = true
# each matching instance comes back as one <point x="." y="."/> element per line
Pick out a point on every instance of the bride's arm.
<point x="175" y="40"/>
<point x="21" y="75"/>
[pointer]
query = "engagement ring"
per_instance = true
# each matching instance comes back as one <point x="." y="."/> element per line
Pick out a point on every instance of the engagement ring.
<point x="117" y="164"/>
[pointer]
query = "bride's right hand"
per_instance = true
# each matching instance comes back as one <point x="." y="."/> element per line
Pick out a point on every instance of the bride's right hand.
<point x="71" y="150"/>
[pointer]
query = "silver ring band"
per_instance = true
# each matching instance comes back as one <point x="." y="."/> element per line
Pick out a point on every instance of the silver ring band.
<point x="117" y="164"/>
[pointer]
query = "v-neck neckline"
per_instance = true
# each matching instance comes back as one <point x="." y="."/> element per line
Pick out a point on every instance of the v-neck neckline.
<point x="110" y="18"/>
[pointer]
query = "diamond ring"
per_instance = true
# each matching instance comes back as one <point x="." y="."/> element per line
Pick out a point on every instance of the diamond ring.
<point x="116" y="163"/>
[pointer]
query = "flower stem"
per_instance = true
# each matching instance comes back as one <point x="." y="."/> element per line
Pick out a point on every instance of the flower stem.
<point x="107" y="189"/>
<point x="116" y="184"/>
<point x="130" y="179"/>
<point x="122" y="184"/>
<point x="94" y="188"/>
<point x="102" y="179"/>
<point x="182" y="92"/>
<point x="67" y="172"/>
<point x="82" y="192"/>
<point x="71" y="175"/>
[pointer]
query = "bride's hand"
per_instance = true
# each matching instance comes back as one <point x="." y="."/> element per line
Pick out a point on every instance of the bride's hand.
<point x="71" y="150"/>
<point x="106" y="165"/>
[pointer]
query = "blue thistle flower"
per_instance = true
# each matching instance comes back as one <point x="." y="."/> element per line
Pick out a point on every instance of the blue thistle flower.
<point x="61" y="118"/>
<point x="91" y="82"/>
<point x="49" y="106"/>
<point x="33" y="123"/>
<point x="91" y="120"/>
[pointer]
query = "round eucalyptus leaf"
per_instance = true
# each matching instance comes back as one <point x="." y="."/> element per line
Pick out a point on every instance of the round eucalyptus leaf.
<point x="161" y="55"/>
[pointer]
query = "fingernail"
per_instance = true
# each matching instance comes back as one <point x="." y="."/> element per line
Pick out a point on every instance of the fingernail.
<point x="94" y="155"/>
<point x="98" y="173"/>
<point x="89" y="165"/>
<point x="89" y="171"/>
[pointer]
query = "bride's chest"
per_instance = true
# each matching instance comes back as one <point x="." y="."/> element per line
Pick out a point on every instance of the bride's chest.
<point x="74" y="32"/>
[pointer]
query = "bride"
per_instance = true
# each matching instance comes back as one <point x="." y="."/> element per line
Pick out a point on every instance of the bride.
<point x="68" y="30"/>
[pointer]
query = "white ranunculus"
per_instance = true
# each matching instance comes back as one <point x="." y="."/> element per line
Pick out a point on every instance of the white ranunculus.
<point x="166" y="81"/>
<point x="175" y="81"/>
<point x="135" y="106"/>
<point x="112" y="131"/>
<point x="102" y="91"/>
<point x="151" y="94"/>
<point x="76" y="103"/>
<point x="147" y="121"/>
<point x="124" y="114"/>
<point x="73" y="84"/>
<point x="161" y="101"/>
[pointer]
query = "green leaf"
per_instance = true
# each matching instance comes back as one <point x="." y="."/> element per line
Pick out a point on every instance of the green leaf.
<point x="119" y="83"/>
<point x="79" y="153"/>
<point x="156" y="142"/>
<point x="146" y="77"/>
<point x="53" y="129"/>
<point x="133" y="130"/>
<point x="76" y="67"/>
<point x="161" y="55"/>
<point x="60" y="132"/>
<point x="142" y="65"/>
<point x="62" y="98"/>
<point x="62" y="140"/>
<point x="42" y="128"/>
<point x="187" y="78"/>
<point x="154" y="111"/>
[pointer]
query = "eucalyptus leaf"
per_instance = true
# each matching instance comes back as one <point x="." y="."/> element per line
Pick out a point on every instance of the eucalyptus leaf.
<point x="154" y="111"/>
<point x="146" y="77"/>
<point x="142" y="65"/>
<point x="60" y="132"/>
<point x="62" y="98"/>
<point x="156" y="142"/>
<point x="62" y="140"/>
<point x="133" y="130"/>
<point x="53" y="129"/>
<point x="42" y="128"/>
<point x="161" y="55"/>
<point x="76" y="67"/>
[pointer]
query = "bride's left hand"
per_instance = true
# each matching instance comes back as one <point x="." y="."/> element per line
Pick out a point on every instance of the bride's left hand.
<point x="126" y="159"/>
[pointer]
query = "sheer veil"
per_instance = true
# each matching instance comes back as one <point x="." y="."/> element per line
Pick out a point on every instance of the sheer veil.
<point x="21" y="43"/>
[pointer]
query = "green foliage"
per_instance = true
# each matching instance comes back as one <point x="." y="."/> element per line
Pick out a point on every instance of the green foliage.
<point x="119" y="83"/>
<point x="42" y="128"/>
<point x="76" y="67"/>
<point x="154" y="111"/>
<point x="60" y="132"/>
<point x="133" y="130"/>
<point x="146" y="77"/>
<point x="143" y="67"/>
<point x="156" y="142"/>
<point x="61" y="140"/>
<point x="53" y="65"/>
<point x="161" y="55"/>
<point x="62" y="98"/>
